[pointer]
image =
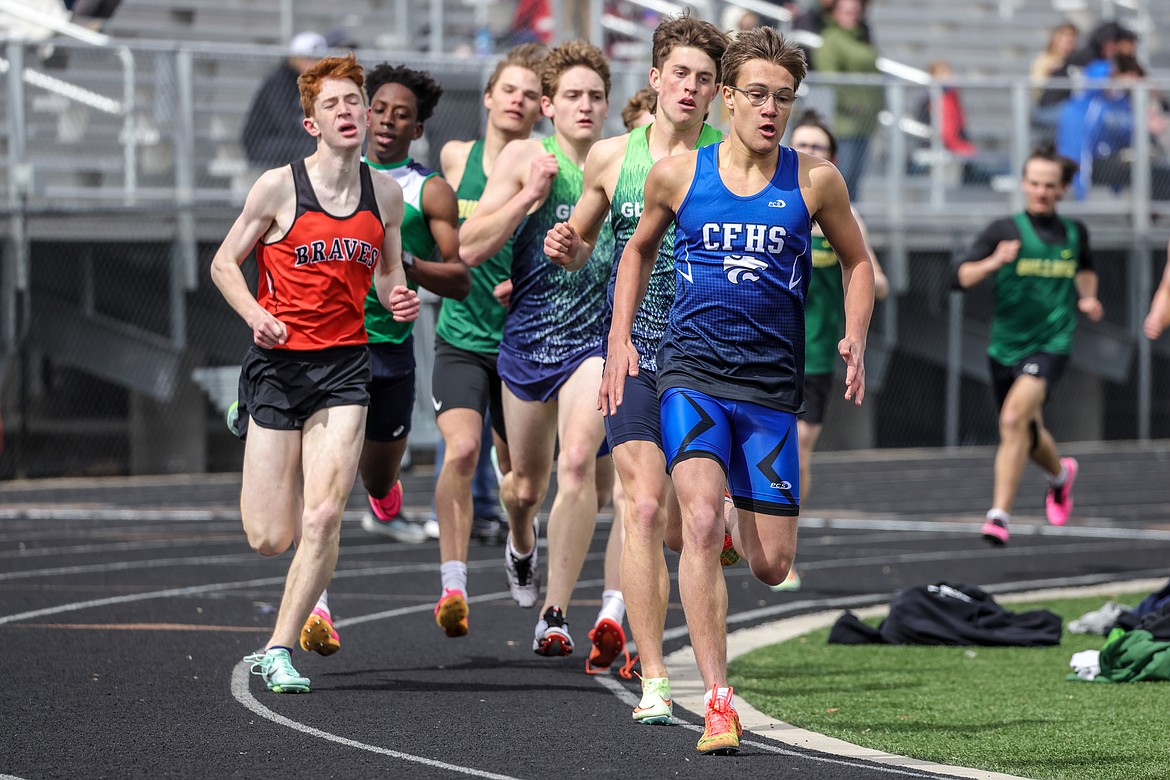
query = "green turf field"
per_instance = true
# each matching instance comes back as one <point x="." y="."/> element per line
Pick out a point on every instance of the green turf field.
<point x="1003" y="709"/>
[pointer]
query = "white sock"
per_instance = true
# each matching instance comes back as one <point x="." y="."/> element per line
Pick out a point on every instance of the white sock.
<point x="996" y="513"/>
<point x="722" y="692"/>
<point x="454" y="574"/>
<point x="1060" y="478"/>
<point x="613" y="606"/>
<point x="323" y="602"/>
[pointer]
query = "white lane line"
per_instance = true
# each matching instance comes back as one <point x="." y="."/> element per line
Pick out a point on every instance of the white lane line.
<point x="194" y="590"/>
<point x="243" y="695"/>
<point x="225" y="558"/>
<point x="954" y="527"/>
<point x="108" y="547"/>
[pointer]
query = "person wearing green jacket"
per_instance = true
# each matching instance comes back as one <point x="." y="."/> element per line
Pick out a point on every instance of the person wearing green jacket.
<point x="846" y="50"/>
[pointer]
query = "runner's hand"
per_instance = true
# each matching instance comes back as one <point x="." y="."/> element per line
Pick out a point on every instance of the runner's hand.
<point x="503" y="292"/>
<point x="404" y="303"/>
<point x="561" y="243"/>
<point x="622" y="362"/>
<point x="267" y="331"/>
<point x="853" y="355"/>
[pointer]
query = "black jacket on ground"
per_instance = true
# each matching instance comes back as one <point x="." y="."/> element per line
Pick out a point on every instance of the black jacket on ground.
<point x="946" y="614"/>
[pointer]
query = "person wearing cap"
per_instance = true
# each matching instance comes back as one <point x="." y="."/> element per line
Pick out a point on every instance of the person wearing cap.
<point x="273" y="134"/>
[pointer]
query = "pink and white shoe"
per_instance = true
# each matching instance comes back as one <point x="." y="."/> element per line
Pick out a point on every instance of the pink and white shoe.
<point x="319" y="635"/>
<point x="995" y="532"/>
<point x="1058" y="504"/>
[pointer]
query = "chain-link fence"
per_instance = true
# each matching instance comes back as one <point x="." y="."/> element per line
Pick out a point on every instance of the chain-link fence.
<point x="122" y="169"/>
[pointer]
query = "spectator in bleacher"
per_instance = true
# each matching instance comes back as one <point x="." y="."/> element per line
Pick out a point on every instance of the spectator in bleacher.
<point x="93" y="13"/>
<point x="1052" y="63"/>
<point x="1098" y="131"/>
<point x="813" y="20"/>
<point x="273" y="133"/>
<point x="736" y="18"/>
<point x="978" y="166"/>
<point x="340" y="38"/>
<point x="1103" y="44"/>
<point x="847" y="50"/>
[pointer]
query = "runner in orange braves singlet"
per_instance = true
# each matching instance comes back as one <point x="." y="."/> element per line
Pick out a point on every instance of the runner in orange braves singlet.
<point x="322" y="228"/>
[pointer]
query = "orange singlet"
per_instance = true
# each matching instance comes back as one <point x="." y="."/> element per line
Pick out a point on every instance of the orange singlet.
<point x="315" y="279"/>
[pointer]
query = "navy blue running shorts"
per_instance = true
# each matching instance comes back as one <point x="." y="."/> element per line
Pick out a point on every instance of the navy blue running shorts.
<point x="756" y="446"/>
<point x="391" y="390"/>
<point x="638" y="418"/>
<point x="531" y="381"/>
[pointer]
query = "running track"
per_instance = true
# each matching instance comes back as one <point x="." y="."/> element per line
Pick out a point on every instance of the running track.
<point x="126" y="605"/>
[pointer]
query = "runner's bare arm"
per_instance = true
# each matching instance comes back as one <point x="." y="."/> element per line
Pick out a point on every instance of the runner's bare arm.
<point x="271" y="201"/>
<point x="447" y="276"/>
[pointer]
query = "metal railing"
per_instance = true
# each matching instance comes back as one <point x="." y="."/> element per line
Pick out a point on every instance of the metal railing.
<point x="166" y="203"/>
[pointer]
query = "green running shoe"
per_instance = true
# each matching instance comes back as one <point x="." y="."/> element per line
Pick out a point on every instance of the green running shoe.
<point x="275" y="666"/>
<point x="656" y="706"/>
<point x="232" y="418"/>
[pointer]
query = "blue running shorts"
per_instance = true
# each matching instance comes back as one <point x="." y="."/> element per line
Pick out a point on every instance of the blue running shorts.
<point x="756" y="446"/>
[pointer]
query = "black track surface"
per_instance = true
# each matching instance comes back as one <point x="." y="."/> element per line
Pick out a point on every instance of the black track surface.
<point x="127" y="604"/>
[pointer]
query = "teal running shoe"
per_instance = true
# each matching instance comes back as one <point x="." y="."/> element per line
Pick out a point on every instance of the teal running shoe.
<point x="275" y="666"/>
<point x="232" y="418"/>
<point x="656" y="706"/>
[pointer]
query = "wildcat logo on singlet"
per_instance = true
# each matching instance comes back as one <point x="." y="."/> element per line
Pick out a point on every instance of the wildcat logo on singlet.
<point x="350" y="250"/>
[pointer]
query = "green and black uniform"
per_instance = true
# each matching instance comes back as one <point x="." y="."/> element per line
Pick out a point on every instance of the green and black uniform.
<point x="391" y="343"/>
<point x="824" y="325"/>
<point x="1035" y="295"/>
<point x="468" y="332"/>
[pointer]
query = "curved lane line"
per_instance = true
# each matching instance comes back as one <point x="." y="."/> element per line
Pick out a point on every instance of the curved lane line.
<point x="243" y="695"/>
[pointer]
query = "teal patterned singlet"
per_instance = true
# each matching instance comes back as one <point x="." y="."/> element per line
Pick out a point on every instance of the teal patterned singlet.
<point x="555" y="315"/>
<point x="625" y="210"/>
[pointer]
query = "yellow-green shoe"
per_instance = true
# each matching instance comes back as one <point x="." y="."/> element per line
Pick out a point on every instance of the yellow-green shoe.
<point x="791" y="582"/>
<point x="656" y="707"/>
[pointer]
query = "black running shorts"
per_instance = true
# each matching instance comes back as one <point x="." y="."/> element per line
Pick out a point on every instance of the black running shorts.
<point x="816" y="397"/>
<point x="281" y="389"/>
<point x="1045" y="365"/>
<point x="467" y="380"/>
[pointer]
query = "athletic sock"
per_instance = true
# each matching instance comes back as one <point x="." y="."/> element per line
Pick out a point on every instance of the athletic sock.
<point x="454" y="574"/>
<point x="726" y="692"/>
<point x="613" y="606"/>
<point x="996" y="513"/>
<point x="1059" y="479"/>
<point x="323" y="603"/>
<point x="270" y="648"/>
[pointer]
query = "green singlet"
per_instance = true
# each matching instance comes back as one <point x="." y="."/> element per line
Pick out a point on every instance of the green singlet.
<point x="1036" y="296"/>
<point x="824" y="310"/>
<point x="476" y="323"/>
<point x="416" y="239"/>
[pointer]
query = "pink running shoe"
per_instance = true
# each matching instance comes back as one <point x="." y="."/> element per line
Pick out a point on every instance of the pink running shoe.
<point x="995" y="532"/>
<point x="319" y="635"/>
<point x="1058" y="504"/>
<point x="451" y="613"/>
